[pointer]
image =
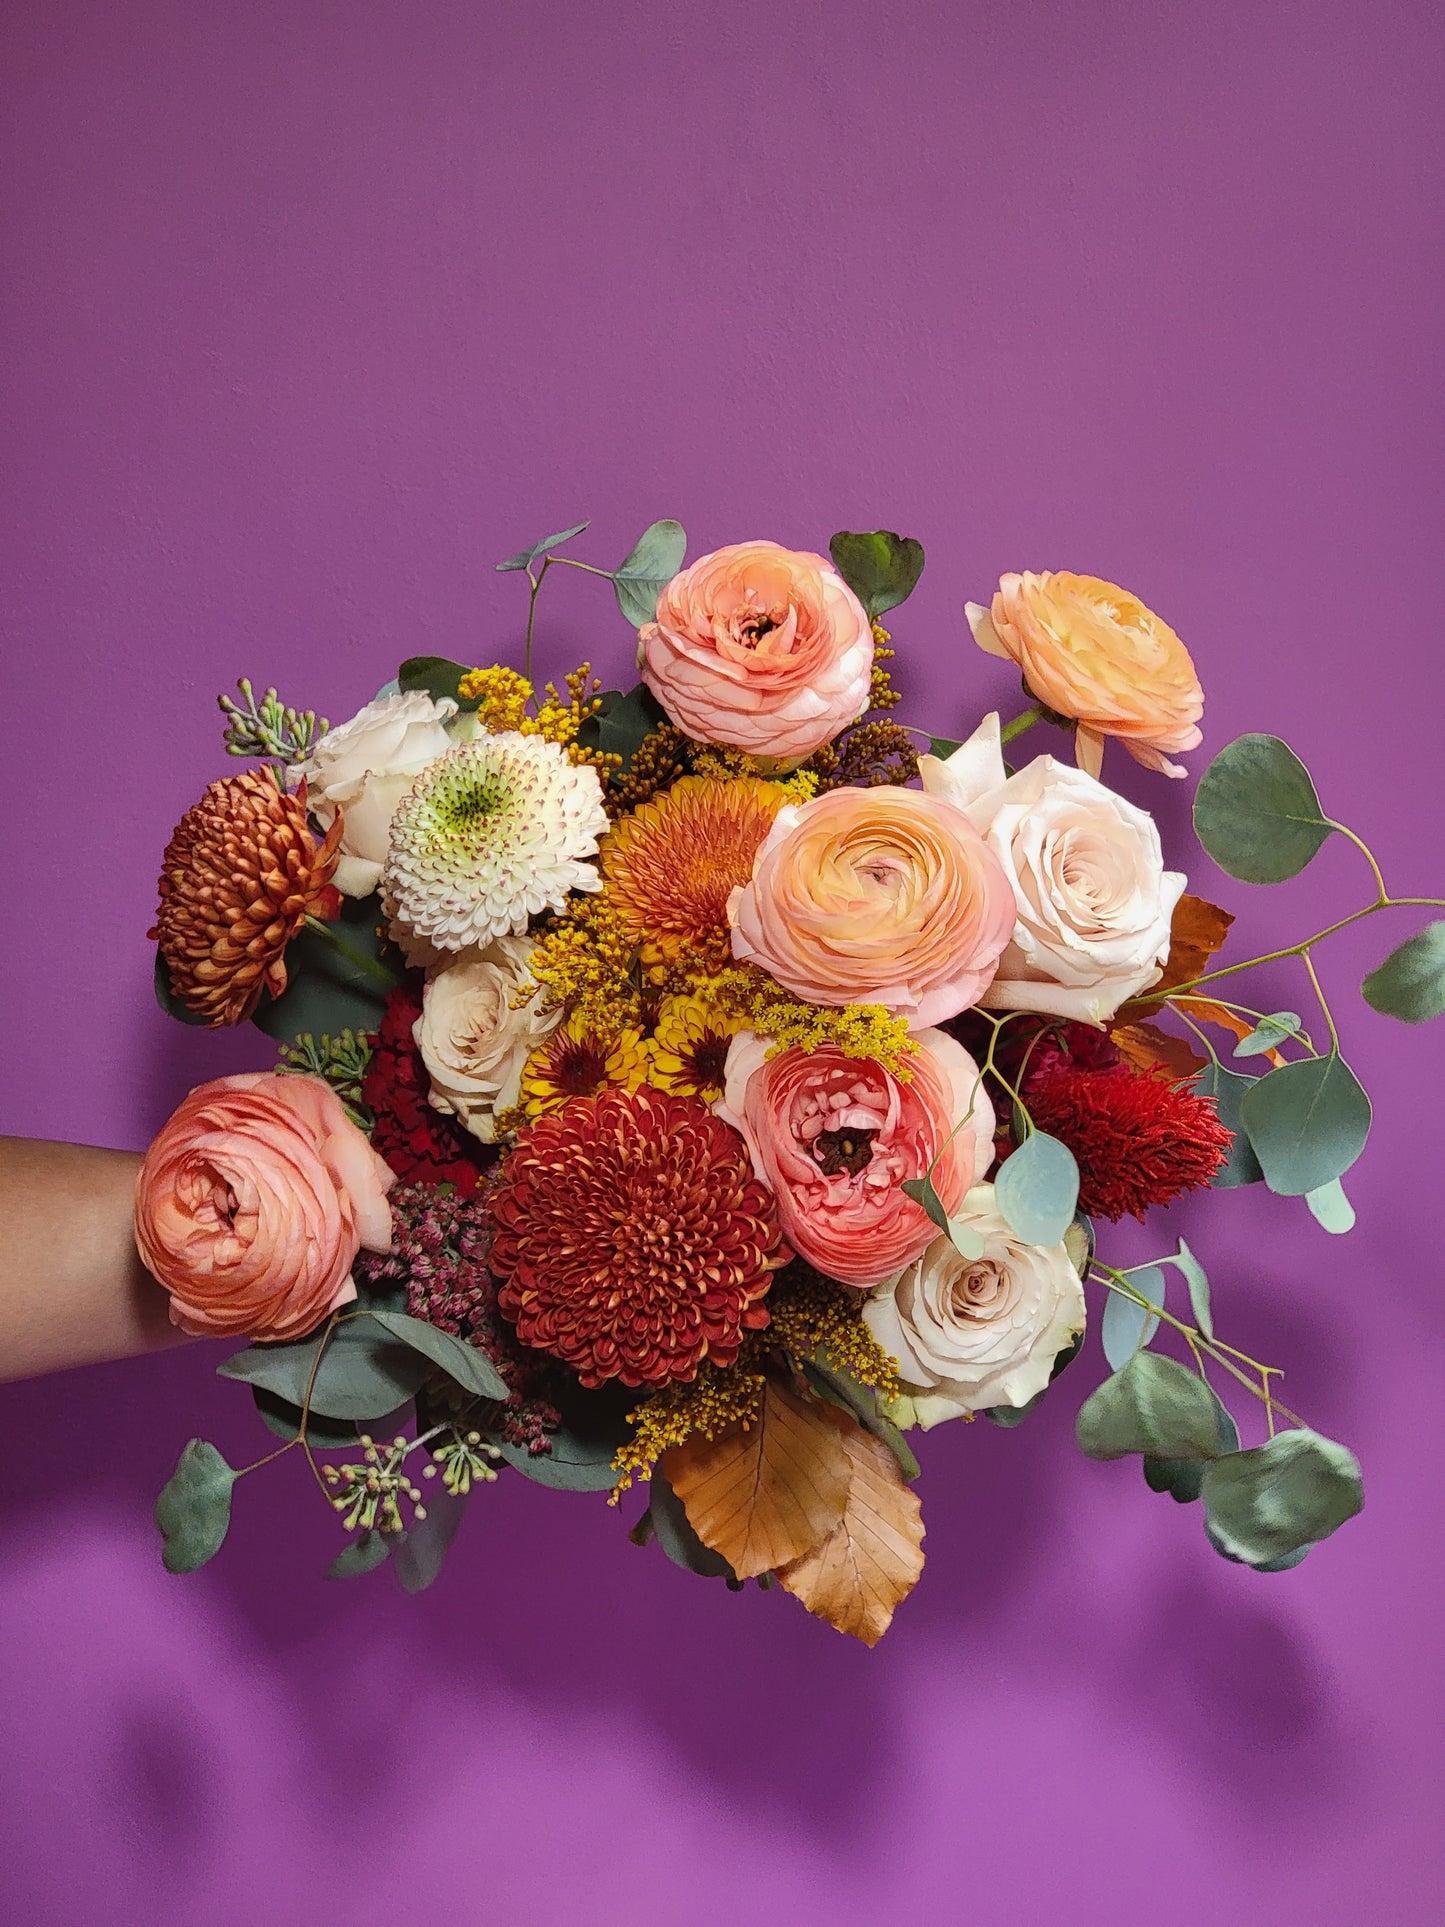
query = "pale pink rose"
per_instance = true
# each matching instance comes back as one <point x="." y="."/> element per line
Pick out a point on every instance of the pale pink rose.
<point x="1094" y="902"/>
<point x="253" y="1202"/>
<point x="835" y="1137"/>
<point x="1091" y="651"/>
<point x="759" y="648"/>
<point x="364" y="768"/>
<point x="876" y="896"/>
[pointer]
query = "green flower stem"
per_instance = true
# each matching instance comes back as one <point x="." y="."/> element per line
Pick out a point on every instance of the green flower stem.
<point x="305" y="1443"/>
<point x="280" y="1452"/>
<point x="536" y="581"/>
<point x="1369" y="856"/>
<point x="1308" y="961"/>
<point x="1024" y="720"/>
<point x="368" y="966"/>
<point x="568" y="563"/>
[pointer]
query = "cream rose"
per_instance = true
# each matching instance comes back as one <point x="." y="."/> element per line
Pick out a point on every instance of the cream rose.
<point x="472" y="1039"/>
<point x="1093" y="900"/>
<point x="970" y="1333"/>
<point x="364" y="768"/>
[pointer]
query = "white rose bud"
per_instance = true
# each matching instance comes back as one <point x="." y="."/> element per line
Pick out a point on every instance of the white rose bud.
<point x="472" y="1040"/>
<point x="971" y="1333"/>
<point x="1094" y="901"/>
<point x="364" y="768"/>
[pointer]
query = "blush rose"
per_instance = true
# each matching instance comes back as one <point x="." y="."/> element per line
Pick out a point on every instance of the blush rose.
<point x="474" y="1038"/>
<point x="364" y="768"/>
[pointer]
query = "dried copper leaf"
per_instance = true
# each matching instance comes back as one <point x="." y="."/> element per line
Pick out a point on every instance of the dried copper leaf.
<point x="1148" y="1048"/>
<point x="871" y="1560"/>
<point x="1237" y="1026"/>
<point x="764" y="1496"/>
<point x="1198" y="928"/>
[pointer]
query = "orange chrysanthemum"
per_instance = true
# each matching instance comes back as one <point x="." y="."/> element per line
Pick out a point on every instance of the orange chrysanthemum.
<point x="671" y="865"/>
<point x="632" y="1239"/>
<point x="240" y="875"/>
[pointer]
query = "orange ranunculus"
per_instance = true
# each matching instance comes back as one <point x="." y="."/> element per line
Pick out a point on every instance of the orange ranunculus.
<point x="759" y="648"/>
<point x="836" y="1137"/>
<point x="253" y="1202"/>
<point x="1091" y="651"/>
<point x="876" y="896"/>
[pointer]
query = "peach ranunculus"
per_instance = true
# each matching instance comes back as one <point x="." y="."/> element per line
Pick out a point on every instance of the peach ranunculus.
<point x="759" y="648"/>
<point x="1091" y="651"/>
<point x="253" y="1202"/>
<point x="879" y="896"/>
<point x="835" y="1137"/>
<point x="1094" y="901"/>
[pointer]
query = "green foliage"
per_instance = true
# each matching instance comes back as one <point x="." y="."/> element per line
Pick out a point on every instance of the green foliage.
<point x="1270" y="1505"/>
<point x="1256" y="811"/>
<point x="1268" y="1034"/>
<point x="840" y="1388"/>
<point x="1307" y="1123"/>
<point x="278" y="1415"/>
<point x="418" y="1554"/>
<point x="1330" y="1208"/>
<point x="942" y="747"/>
<point x="647" y="569"/>
<point x="524" y="558"/>
<point x="464" y="1364"/>
<point x="327" y="993"/>
<point x="169" y="1002"/>
<point x="1008" y="1416"/>
<point x="593" y="1426"/>
<point x="194" y="1508"/>
<point x="1198" y="1283"/>
<point x="435" y="676"/>
<point x="1229" y="1089"/>
<point x="671" y="1529"/>
<point x="1037" y="1189"/>
<point x="1410" y="983"/>
<point x="1126" y="1325"/>
<point x="965" y="1239"/>
<point x="622" y="721"/>
<point x="364" y="1372"/>
<point x="1183" y="1479"/>
<point x="365" y="1553"/>
<point x="1151" y="1405"/>
<point x="881" y="568"/>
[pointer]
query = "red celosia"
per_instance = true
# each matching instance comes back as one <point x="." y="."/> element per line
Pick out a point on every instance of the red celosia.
<point x="632" y="1238"/>
<point x="417" y="1141"/>
<point x="1139" y="1140"/>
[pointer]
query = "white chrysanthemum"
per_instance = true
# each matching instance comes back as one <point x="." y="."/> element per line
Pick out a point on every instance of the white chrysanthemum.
<point x="490" y="835"/>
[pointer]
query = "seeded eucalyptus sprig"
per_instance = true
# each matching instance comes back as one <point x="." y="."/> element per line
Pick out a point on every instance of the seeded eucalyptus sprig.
<point x="270" y="730"/>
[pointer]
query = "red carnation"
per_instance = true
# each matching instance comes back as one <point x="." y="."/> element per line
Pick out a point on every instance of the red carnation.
<point x="417" y="1141"/>
<point x="1139" y="1140"/>
<point x="632" y="1238"/>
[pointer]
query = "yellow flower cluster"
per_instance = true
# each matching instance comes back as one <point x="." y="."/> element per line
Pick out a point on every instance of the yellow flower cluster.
<point x="858" y="1030"/>
<point x="727" y="765"/>
<point x="881" y="693"/>
<point x="656" y="762"/>
<point x="709" y="1405"/>
<point x="584" y="959"/>
<point x="812" y="1316"/>
<point x="502" y="696"/>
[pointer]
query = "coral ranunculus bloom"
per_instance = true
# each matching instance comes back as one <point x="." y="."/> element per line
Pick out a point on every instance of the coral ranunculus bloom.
<point x="760" y="648"/>
<point x="876" y="896"/>
<point x="836" y="1137"/>
<point x="1090" y="650"/>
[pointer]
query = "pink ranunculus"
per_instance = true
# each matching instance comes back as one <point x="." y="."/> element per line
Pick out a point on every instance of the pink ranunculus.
<point x="876" y="896"/>
<point x="253" y="1202"/>
<point x="836" y="1137"/>
<point x="759" y="648"/>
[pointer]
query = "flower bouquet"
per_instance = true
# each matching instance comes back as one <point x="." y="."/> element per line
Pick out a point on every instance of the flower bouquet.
<point x="714" y="1085"/>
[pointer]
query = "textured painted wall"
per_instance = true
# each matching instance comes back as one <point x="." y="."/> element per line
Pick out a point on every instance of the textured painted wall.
<point x="313" y="309"/>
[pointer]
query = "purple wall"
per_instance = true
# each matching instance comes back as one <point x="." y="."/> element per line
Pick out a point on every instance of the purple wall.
<point x="317" y="308"/>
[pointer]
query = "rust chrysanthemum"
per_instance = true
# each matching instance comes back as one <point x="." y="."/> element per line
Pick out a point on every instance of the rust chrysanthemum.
<point x="632" y="1239"/>
<point x="240" y="875"/>
<point x="670" y="866"/>
<point x="1138" y="1139"/>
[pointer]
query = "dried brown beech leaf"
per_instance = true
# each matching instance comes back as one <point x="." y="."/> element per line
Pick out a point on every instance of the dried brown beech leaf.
<point x="871" y="1560"/>
<point x="1148" y="1048"/>
<point x="1237" y="1026"/>
<point x="1197" y="929"/>
<point x="764" y="1496"/>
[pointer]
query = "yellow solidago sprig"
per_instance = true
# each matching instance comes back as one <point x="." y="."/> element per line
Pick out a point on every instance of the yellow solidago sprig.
<point x="858" y="1030"/>
<point x="584" y="958"/>
<point x="502" y="699"/>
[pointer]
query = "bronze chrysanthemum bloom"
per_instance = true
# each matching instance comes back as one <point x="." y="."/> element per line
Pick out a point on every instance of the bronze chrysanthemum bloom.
<point x="632" y="1239"/>
<point x="240" y="875"/>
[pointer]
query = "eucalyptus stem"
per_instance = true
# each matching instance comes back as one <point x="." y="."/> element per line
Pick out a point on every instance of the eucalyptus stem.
<point x="371" y="967"/>
<point x="1299" y="949"/>
<point x="1024" y="720"/>
<point x="536" y="581"/>
<point x="1308" y="961"/>
<point x="568" y="562"/>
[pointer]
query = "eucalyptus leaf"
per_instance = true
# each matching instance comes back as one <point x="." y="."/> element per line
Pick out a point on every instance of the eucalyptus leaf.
<point x="942" y="747"/>
<point x="1125" y="1325"/>
<point x="922" y="1192"/>
<point x="881" y="568"/>
<point x="676" y="1536"/>
<point x="646" y="571"/>
<point x="278" y="1415"/>
<point x="194" y="1508"/>
<point x="434" y="676"/>
<point x="1229" y="1089"/>
<point x="468" y="1367"/>
<point x="1330" y="1208"/>
<point x="1268" y="1034"/>
<point x="1198" y="1282"/>
<point x="622" y="721"/>
<point x="1183" y="1479"/>
<point x="365" y="1553"/>
<point x="326" y="993"/>
<point x="1256" y="811"/>
<point x="524" y="558"/>
<point x="1410" y="983"/>
<point x="1079" y="1242"/>
<point x="364" y="1373"/>
<point x="1037" y="1189"/>
<point x="418" y="1553"/>
<point x="1307" y="1122"/>
<point x="583" y="1446"/>
<point x="1264" y="1505"/>
<point x="1151" y="1405"/>
<point x="1286" y="1562"/>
